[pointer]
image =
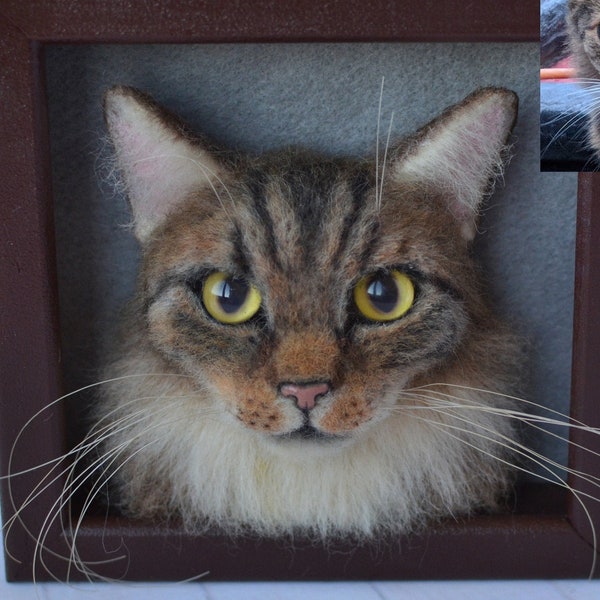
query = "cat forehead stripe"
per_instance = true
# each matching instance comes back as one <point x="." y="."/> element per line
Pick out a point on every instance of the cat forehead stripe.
<point x="256" y="182"/>
<point x="359" y="185"/>
<point x="307" y="208"/>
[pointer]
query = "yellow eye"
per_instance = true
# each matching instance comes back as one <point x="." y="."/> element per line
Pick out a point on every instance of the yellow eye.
<point x="229" y="299"/>
<point x="384" y="296"/>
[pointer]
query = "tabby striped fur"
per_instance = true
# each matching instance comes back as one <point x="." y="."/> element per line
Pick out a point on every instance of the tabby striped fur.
<point x="198" y="427"/>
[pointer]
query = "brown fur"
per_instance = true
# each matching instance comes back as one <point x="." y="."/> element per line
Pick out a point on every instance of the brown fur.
<point x="304" y="229"/>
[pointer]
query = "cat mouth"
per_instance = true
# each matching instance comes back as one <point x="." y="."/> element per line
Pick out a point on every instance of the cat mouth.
<point x="309" y="433"/>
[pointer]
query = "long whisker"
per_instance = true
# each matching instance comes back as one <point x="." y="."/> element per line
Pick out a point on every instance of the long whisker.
<point x="432" y="386"/>
<point x="569" y="123"/>
<point x="108" y="472"/>
<point x="58" y="508"/>
<point x="108" y="460"/>
<point x="514" y="444"/>
<point x="94" y="429"/>
<point x="41" y="488"/>
<point x="387" y="145"/>
<point x="91" y="441"/>
<point x="434" y="403"/>
<point x="520" y="450"/>
<point x="528" y="418"/>
<point x="74" y="393"/>
<point x="101" y="431"/>
<point x="378" y="184"/>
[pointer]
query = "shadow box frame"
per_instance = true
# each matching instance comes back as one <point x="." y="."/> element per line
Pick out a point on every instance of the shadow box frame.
<point x="547" y="535"/>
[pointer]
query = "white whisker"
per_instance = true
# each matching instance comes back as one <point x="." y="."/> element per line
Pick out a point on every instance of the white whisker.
<point x="378" y="184"/>
<point x="518" y="447"/>
<point x="435" y="403"/>
<point x="528" y="418"/>
<point x="387" y="145"/>
<point x="432" y="386"/>
<point x="521" y="450"/>
<point x="579" y="117"/>
<point x="107" y="462"/>
<point x="103" y="429"/>
<point x="40" y="488"/>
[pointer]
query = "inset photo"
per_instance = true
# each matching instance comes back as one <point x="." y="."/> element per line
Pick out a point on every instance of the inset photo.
<point x="570" y="85"/>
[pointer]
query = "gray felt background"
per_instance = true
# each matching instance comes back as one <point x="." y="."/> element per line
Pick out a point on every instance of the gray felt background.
<point x="255" y="97"/>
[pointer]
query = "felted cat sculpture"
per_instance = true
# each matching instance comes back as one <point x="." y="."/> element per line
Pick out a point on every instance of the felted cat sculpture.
<point x="310" y="348"/>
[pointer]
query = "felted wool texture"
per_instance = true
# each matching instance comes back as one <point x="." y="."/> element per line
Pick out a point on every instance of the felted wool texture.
<point x="323" y="96"/>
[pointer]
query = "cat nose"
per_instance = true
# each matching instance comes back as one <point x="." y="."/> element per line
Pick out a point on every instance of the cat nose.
<point x="306" y="394"/>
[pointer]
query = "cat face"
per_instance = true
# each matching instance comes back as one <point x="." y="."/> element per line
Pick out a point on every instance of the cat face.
<point x="583" y="23"/>
<point x="303" y="291"/>
<point x="293" y="312"/>
<point x="348" y="302"/>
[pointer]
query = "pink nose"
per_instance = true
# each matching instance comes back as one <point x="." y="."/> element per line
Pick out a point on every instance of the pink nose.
<point x="305" y="394"/>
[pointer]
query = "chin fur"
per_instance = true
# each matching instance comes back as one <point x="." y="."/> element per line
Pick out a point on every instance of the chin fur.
<point x="208" y="471"/>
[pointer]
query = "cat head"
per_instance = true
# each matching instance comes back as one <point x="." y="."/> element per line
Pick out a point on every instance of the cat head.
<point x="305" y="291"/>
<point x="583" y="22"/>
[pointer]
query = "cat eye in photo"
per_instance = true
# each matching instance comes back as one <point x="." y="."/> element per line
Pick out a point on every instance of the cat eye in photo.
<point x="291" y="244"/>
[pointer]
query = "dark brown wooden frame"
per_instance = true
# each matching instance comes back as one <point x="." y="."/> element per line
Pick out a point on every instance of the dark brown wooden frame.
<point x="546" y="536"/>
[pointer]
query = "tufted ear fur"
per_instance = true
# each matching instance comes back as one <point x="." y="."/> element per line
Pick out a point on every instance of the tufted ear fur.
<point x="161" y="164"/>
<point x="460" y="153"/>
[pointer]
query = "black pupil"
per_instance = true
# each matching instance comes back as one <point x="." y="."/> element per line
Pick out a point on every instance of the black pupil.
<point x="383" y="293"/>
<point x="232" y="294"/>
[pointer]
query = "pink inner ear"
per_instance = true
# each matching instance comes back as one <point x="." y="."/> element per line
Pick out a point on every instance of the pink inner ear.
<point x="134" y="147"/>
<point x="491" y="125"/>
<point x="476" y="140"/>
<point x="160" y="167"/>
<point x="481" y="137"/>
<point x="462" y="153"/>
<point x="141" y="172"/>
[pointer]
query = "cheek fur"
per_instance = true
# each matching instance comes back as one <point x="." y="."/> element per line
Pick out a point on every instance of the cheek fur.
<point x="351" y="408"/>
<point x="178" y="329"/>
<point x="255" y="403"/>
<point x="420" y="341"/>
<point x="247" y="375"/>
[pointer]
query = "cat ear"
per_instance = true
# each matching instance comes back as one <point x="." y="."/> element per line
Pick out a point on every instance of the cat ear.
<point x="461" y="152"/>
<point x="161" y="164"/>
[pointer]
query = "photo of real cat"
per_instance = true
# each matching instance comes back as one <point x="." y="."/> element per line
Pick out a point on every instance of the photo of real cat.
<point x="309" y="348"/>
<point x="583" y="25"/>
